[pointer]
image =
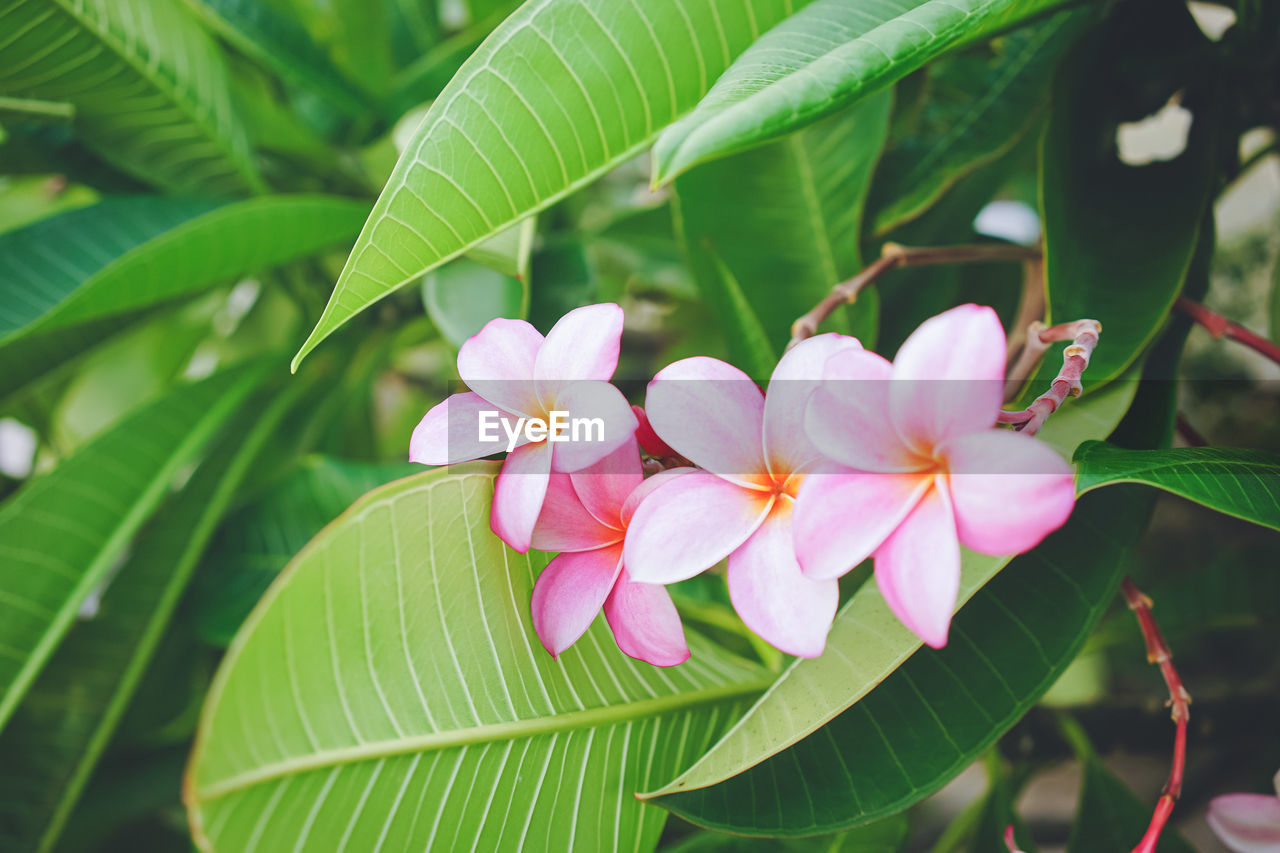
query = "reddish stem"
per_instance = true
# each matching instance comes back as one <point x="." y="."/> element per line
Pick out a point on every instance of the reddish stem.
<point x="1180" y="701"/>
<point x="1221" y="327"/>
<point x="1083" y="335"/>
<point x="1009" y="840"/>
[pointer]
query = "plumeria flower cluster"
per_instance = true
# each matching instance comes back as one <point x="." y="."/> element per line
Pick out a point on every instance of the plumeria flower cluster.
<point x="844" y="456"/>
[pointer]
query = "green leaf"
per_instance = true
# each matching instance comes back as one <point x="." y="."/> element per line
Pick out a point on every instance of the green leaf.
<point x="55" y="739"/>
<point x="865" y="647"/>
<point x="508" y="251"/>
<point x="747" y="341"/>
<point x="61" y="533"/>
<point x="822" y="58"/>
<point x="282" y="44"/>
<point x="462" y="296"/>
<point x="1118" y="239"/>
<point x="1236" y="481"/>
<point x="259" y="539"/>
<point x="885" y="836"/>
<point x="560" y="93"/>
<point x="123" y="254"/>
<point x="785" y="220"/>
<point x="149" y="87"/>
<point x="977" y="105"/>
<point x="29" y="109"/>
<point x="396" y="696"/>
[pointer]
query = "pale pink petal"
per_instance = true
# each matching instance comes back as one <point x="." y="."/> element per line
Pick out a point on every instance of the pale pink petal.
<point x="1247" y="823"/>
<point x="847" y="417"/>
<point x="774" y="598"/>
<point x="570" y="592"/>
<point x="451" y="432"/>
<point x="648" y="439"/>
<point x="583" y="344"/>
<point x="842" y="517"/>
<point x="949" y="376"/>
<point x="564" y="523"/>
<point x="1009" y="490"/>
<point x="642" y="491"/>
<point x="605" y="486"/>
<point x="598" y="421"/>
<point x="712" y="414"/>
<point x="918" y="569"/>
<point x="688" y="524"/>
<point x="787" y="449"/>
<point x="518" y="494"/>
<point x="497" y="363"/>
<point x="645" y="623"/>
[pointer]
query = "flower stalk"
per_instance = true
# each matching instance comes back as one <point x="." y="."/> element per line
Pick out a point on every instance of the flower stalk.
<point x="1083" y="335"/>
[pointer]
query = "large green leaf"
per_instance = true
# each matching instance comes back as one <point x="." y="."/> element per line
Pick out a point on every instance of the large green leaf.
<point x="389" y="693"/>
<point x="55" y="739"/>
<point x="785" y="219"/>
<point x="822" y="58"/>
<point x="1233" y="480"/>
<point x="60" y="535"/>
<point x="562" y="91"/>
<point x="1118" y="239"/>
<point x="124" y="254"/>
<point x="149" y="87"/>
<point x="977" y="105"/>
<point x="260" y="538"/>
<point x="865" y="647"/>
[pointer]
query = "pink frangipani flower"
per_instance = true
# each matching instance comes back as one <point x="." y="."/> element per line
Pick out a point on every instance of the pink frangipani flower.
<point x="516" y="376"/>
<point x="585" y="518"/>
<point x="918" y="468"/>
<point x="1247" y="823"/>
<point x="753" y="453"/>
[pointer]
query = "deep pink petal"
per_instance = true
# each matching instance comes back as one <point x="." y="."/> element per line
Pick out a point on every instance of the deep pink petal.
<point x="519" y="493"/>
<point x="712" y="414"/>
<point x="847" y="418"/>
<point x="949" y="376"/>
<point x="918" y="569"/>
<point x="799" y="372"/>
<point x="648" y="439"/>
<point x="497" y="363"/>
<point x="605" y="486"/>
<point x="645" y="623"/>
<point x="642" y="491"/>
<point x="774" y="598"/>
<point x="565" y="524"/>
<point x="613" y="423"/>
<point x="1009" y="490"/>
<point x="688" y="524"/>
<point x="842" y="517"/>
<point x="1247" y="823"/>
<point x="583" y="344"/>
<point x="451" y="432"/>
<point x="570" y="592"/>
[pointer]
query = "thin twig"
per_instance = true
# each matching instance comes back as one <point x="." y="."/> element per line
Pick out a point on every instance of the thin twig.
<point x="1180" y="701"/>
<point x="1083" y="335"/>
<point x="1221" y="327"/>
<point x="892" y="256"/>
<point x="1190" y="434"/>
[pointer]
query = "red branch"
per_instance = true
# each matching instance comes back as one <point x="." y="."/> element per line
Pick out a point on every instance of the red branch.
<point x="1158" y="653"/>
<point x="1221" y="327"/>
<point x="1083" y="335"/>
<point x="1009" y="840"/>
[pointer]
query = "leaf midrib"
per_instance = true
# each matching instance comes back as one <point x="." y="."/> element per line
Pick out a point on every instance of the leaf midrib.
<point x="511" y="730"/>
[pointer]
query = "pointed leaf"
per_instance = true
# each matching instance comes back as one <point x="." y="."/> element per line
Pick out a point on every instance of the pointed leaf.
<point x="463" y="295"/>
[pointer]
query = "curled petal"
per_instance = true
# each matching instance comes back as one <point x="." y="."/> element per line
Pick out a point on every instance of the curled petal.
<point x="604" y="486"/>
<point x="1009" y="490"/>
<point x="570" y="592"/>
<point x="645" y="623"/>
<point x="841" y="517"/>
<point x="847" y="418"/>
<point x="712" y="414"/>
<point x="949" y="376"/>
<point x="799" y="372"/>
<point x="451" y="432"/>
<point x="599" y="421"/>
<point x="918" y="569"/>
<point x="583" y="344"/>
<point x="688" y="524"/>
<point x="497" y="363"/>
<point x="1247" y="823"/>
<point x="565" y="524"/>
<point x="518" y="494"/>
<point x="774" y="598"/>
